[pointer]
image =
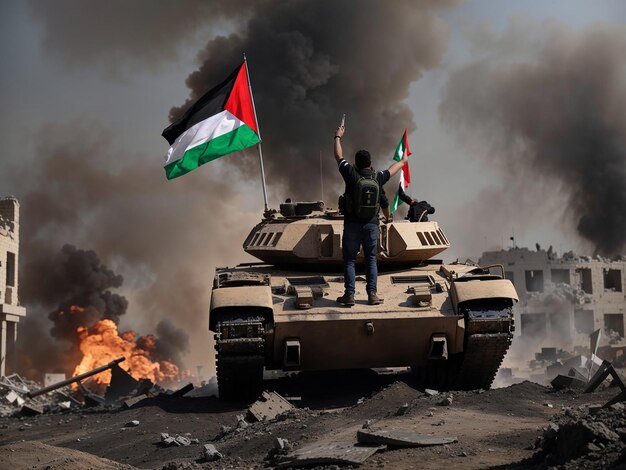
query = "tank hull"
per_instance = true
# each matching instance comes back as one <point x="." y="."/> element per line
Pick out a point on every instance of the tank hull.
<point x="427" y="322"/>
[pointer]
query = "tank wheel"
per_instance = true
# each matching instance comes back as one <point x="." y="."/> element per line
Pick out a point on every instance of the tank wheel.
<point x="240" y="356"/>
<point x="488" y="326"/>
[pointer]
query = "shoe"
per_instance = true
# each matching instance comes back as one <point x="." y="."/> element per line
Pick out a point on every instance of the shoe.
<point x="346" y="299"/>
<point x="373" y="299"/>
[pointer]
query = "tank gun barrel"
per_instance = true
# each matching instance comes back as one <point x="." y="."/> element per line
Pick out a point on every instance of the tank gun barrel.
<point x="76" y="378"/>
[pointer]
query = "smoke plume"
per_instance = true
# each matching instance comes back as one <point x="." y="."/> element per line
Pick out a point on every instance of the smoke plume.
<point x="312" y="61"/>
<point x="166" y="239"/>
<point x="557" y="116"/>
<point x="81" y="284"/>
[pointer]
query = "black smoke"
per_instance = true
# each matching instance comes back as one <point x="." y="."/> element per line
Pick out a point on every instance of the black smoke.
<point x="309" y="63"/>
<point x="81" y="287"/>
<point x="557" y="116"/>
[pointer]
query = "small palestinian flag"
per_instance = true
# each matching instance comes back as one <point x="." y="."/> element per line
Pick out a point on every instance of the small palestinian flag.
<point x="405" y="174"/>
<point x="219" y="123"/>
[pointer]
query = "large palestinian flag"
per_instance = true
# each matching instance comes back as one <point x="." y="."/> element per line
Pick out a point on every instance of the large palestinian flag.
<point x="219" y="123"/>
<point x="405" y="174"/>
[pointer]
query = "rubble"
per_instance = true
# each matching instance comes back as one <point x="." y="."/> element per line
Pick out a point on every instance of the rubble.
<point x="447" y="401"/>
<point x="585" y="440"/>
<point x="211" y="453"/>
<point x="241" y="422"/>
<point x="132" y="424"/>
<point x="268" y="407"/>
<point x="178" y="440"/>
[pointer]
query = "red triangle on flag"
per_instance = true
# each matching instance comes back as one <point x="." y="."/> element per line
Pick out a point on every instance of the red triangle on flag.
<point x="239" y="103"/>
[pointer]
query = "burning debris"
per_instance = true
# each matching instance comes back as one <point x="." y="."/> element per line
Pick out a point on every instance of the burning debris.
<point x="85" y="323"/>
<point x="102" y="342"/>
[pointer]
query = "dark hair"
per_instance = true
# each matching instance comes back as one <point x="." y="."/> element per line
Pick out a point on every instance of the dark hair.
<point x="362" y="159"/>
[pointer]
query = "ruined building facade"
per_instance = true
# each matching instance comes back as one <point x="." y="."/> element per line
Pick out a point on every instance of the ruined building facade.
<point x="564" y="298"/>
<point x="10" y="309"/>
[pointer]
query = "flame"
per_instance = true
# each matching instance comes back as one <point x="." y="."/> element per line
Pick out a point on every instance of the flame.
<point x="102" y="343"/>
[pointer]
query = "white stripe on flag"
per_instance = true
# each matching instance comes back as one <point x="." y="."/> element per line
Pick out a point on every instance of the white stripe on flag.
<point x="215" y="126"/>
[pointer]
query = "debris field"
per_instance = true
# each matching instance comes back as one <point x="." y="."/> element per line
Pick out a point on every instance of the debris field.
<point x="325" y="420"/>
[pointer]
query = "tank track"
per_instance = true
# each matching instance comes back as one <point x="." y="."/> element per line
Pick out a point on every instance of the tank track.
<point x="240" y="356"/>
<point x="489" y="332"/>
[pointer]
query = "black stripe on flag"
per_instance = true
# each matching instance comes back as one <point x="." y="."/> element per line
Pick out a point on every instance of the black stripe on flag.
<point x="211" y="103"/>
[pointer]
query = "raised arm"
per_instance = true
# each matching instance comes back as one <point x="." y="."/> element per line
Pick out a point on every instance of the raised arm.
<point x="397" y="166"/>
<point x="404" y="197"/>
<point x="338" y="151"/>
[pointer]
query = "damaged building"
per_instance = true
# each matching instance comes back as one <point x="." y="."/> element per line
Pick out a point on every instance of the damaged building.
<point x="10" y="309"/>
<point x="564" y="298"/>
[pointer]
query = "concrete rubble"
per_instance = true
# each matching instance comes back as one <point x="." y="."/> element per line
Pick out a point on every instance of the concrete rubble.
<point x="210" y="453"/>
<point x="178" y="440"/>
<point x="582" y="439"/>
<point x="268" y="407"/>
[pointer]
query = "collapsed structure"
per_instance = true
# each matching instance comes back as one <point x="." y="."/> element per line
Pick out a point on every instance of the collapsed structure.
<point x="562" y="298"/>
<point x="10" y="309"/>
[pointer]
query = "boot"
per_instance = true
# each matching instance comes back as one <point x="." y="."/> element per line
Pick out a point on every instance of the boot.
<point x="373" y="299"/>
<point x="346" y="299"/>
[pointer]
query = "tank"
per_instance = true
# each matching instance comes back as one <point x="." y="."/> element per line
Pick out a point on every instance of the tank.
<point x="450" y="323"/>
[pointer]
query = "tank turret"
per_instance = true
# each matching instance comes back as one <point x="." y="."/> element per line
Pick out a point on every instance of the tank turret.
<point x="305" y="233"/>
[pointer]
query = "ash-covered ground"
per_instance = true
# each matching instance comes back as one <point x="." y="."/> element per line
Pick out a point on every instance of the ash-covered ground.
<point x="500" y="428"/>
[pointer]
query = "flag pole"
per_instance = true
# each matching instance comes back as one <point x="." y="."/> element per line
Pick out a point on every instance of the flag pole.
<point x="258" y="132"/>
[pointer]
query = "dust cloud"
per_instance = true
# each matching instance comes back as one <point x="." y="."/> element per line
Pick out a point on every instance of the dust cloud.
<point x="554" y="115"/>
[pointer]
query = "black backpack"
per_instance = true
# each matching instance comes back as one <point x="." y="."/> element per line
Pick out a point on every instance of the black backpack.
<point x="364" y="202"/>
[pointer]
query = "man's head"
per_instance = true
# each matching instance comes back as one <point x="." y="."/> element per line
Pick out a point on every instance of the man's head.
<point x="362" y="159"/>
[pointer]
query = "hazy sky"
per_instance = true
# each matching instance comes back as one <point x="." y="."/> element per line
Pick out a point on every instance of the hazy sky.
<point x="71" y="72"/>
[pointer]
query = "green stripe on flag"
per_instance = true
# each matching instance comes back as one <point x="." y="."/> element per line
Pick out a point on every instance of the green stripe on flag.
<point x="238" y="139"/>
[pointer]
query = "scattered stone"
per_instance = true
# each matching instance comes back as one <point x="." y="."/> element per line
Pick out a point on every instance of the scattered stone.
<point x="241" y="422"/>
<point x="177" y="440"/>
<point x="367" y="424"/>
<point x="446" y="401"/>
<point x="618" y="406"/>
<point x="211" y="454"/>
<point x="430" y="392"/>
<point x="281" y="445"/>
<point x="182" y="441"/>
<point x="549" y="405"/>
<point x="224" y="430"/>
<point x="360" y="400"/>
<point x="402" y="410"/>
<point x="132" y="424"/>
<point x="11" y="397"/>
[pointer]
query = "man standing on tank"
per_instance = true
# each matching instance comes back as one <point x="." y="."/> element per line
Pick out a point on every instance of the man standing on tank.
<point x="357" y="232"/>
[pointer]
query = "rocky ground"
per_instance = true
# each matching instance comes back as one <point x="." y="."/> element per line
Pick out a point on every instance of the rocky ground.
<point x="501" y="428"/>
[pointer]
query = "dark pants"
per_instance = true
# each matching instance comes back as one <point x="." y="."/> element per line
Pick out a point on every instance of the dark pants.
<point x="356" y="234"/>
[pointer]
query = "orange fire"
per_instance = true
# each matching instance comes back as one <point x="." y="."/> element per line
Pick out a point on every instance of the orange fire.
<point x="102" y="343"/>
